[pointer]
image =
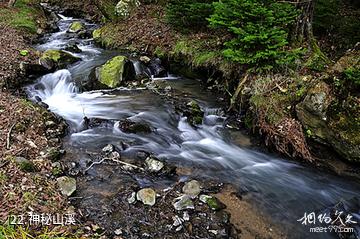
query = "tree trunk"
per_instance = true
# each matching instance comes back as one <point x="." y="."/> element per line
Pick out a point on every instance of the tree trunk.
<point x="303" y="31"/>
<point x="11" y="3"/>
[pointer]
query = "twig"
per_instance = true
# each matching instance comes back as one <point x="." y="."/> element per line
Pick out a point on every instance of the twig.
<point x="94" y="163"/>
<point x="126" y="164"/>
<point x="9" y="136"/>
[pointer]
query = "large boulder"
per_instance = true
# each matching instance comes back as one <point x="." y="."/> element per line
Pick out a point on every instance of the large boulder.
<point x="124" y="8"/>
<point x="57" y="59"/>
<point x="112" y="74"/>
<point x="328" y="126"/>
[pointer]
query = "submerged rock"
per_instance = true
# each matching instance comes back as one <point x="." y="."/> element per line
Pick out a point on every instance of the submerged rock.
<point x="114" y="72"/>
<point x="57" y="59"/>
<point x="183" y="202"/>
<point x="128" y="126"/>
<point x="76" y="27"/>
<point x="67" y="185"/>
<point x="147" y="196"/>
<point x="124" y="8"/>
<point x="192" y="188"/>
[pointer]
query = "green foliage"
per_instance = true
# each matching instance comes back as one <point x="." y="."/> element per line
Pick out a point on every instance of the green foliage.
<point x="338" y="18"/>
<point x="188" y="14"/>
<point x="259" y="30"/>
<point x="24" y="52"/>
<point x="353" y="74"/>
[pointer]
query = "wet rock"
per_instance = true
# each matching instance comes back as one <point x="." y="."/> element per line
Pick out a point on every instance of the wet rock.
<point x="67" y="185"/>
<point x="212" y="202"/>
<point x="142" y="155"/>
<point x="192" y="188"/>
<point x="145" y="59"/>
<point x="156" y="68"/>
<point x="128" y="126"/>
<point x="108" y="149"/>
<point x="57" y="59"/>
<point x="124" y="8"/>
<point x="112" y="74"/>
<point x="24" y="164"/>
<point x="76" y="27"/>
<point x="147" y="196"/>
<point x="193" y="113"/>
<point x="154" y="165"/>
<point x="73" y="47"/>
<point x="33" y="70"/>
<point x="183" y="202"/>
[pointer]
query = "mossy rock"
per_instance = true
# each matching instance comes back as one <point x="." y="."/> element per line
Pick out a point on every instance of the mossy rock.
<point x="349" y="60"/>
<point x="193" y="113"/>
<point x="57" y="59"/>
<point x="115" y="72"/>
<point x="24" y="164"/>
<point x="76" y="27"/>
<point x="340" y="131"/>
<point x="96" y="34"/>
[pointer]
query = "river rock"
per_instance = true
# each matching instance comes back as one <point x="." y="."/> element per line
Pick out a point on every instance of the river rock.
<point x="24" y="164"/>
<point x="33" y="70"/>
<point x="115" y="72"/>
<point x="193" y="113"/>
<point x="57" y="59"/>
<point x="67" y="185"/>
<point x="124" y="8"/>
<point x="192" y="188"/>
<point x="153" y="164"/>
<point x="129" y="126"/>
<point x="145" y="59"/>
<point x="212" y="202"/>
<point x="72" y="47"/>
<point x="147" y="196"/>
<point x="108" y="149"/>
<point x="76" y="27"/>
<point x="183" y="202"/>
<point x="156" y="68"/>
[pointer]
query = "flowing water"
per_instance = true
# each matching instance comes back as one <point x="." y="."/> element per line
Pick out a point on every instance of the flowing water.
<point x="283" y="189"/>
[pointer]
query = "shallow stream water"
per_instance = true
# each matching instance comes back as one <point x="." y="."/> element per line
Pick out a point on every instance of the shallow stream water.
<point x="283" y="189"/>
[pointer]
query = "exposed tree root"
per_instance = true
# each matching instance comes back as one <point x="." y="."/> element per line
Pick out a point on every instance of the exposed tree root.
<point x="286" y="136"/>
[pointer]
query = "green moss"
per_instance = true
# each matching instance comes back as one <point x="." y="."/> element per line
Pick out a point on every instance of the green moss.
<point x="76" y="26"/>
<point x="54" y="55"/>
<point x="96" y="34"/>
<point x="111" y="72"/>
<point x="318" y="61"/>
<point x="159" y="52"/>
<point x="23" y="16"/>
